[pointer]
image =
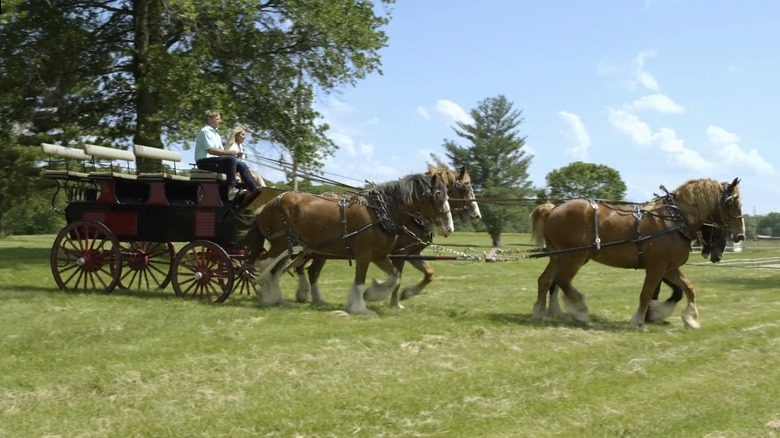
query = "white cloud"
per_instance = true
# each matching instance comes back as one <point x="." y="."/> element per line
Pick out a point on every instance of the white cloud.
<point x="720" y="136"/>
<point x="453" y="111"/>
<point x="664" y="139"/>
<point x="344" y="141"/>
<point x="366" y="149"/>
<point x="338" y="106"/>
<point x="422" y="111"/>
<point x="577" y="136"/>
<point x="373" y="121"/>
<point x="732" y="153"/>
<point x="641" y="76"/>
<point x="656" y="102"/>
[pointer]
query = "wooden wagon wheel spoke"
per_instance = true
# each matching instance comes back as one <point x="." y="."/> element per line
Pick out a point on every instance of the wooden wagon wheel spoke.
<point x="147" y="265"/>
<point x="86" y="256"/>
<point x="202" y="270"/>
<point x="244" y="277"/>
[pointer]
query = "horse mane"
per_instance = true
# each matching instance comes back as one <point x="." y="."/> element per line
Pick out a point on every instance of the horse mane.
<point x="448" y="175"/>
<point x="444" y="173"/>
<point x="700" y="197"/>
<point x="405" y="191"/>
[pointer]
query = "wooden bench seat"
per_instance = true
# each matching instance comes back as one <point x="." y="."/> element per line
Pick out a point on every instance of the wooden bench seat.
<point x="106" y="154"/>
<point x="63" y="156"/>
<point x="207" y="175"/>
<point x="161" y="155"/>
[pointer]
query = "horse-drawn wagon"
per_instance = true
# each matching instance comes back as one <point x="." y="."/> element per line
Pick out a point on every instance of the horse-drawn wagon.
<point x="122" y="224"/>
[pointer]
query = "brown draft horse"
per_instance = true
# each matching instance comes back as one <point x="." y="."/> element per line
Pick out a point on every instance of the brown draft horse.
<point x="363" y="228"/>
<point x="713" y="246"/>
<point x="656" y="237"/>
<point x="415" y="238"/>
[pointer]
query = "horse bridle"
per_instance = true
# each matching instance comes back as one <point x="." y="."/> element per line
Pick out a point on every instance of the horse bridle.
<point x="727" y="200"/>
<point x="459" y="184"/>
<point x="432" y="195"/>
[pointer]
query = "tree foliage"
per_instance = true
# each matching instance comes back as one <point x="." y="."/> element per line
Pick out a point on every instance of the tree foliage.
<point x="495" y="159"/>
<point x="584" y="180"/>
<point x="769" y="225"/>
<point x="118" y="72"/>
<point x="145" y="71"/>
<point x="19" y="176"/>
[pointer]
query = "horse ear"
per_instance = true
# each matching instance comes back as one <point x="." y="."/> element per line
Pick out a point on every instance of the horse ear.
<point x="434" y="177"/>
<point x="462" y="172"/>
<point x="430" y="168"/>
<point x="732" y="186"/>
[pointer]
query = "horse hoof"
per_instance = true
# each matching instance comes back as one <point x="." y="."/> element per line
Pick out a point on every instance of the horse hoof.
<point x="361" y="311"/>
<point x="691" y="323"/>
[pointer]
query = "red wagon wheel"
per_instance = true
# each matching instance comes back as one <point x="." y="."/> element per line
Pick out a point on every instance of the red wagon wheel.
<point x="86" y="256"/>
<point x="245" y="273"/>
<point x="147" y="265"/>
<point x="202" y="270"/>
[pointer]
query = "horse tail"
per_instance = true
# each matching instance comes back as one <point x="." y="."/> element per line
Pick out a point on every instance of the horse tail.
<point x="253" y="239"/>
<point x="537" y="219"/>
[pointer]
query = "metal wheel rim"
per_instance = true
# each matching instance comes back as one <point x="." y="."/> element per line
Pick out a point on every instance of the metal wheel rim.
<point x="147" y="265"/>
<point x="202" y="270"/>
<point x="86" y="256"/>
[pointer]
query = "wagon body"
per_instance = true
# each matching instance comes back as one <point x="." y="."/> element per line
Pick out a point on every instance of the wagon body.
<point x="121" y="228"/>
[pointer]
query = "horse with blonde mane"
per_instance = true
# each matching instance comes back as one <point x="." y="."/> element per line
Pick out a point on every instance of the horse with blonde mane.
<point x="655" y="237"/>
<point x="412" y="242"/>
<point x="362" y="228"/>
<point x="713" y="245"/>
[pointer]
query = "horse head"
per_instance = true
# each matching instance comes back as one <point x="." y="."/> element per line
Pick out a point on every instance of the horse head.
<point x="463" y="193"/>
<point x="435" y="207"/>
<point x="460" y="192"/>
<point x="731" y="210"/>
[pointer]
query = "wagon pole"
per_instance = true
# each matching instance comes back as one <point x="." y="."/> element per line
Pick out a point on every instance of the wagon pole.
<point x="285" y="167"/>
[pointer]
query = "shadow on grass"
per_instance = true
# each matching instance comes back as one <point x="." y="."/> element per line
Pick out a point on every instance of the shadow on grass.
<point x="17" y="257"/>
<point x="25" y="289"/>
<point x="597" y="323"/>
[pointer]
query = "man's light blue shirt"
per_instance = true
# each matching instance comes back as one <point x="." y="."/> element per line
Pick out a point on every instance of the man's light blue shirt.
<point x="207" y="138"/>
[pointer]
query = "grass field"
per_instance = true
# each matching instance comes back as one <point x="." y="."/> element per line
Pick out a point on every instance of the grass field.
<point x="465" y="359"/>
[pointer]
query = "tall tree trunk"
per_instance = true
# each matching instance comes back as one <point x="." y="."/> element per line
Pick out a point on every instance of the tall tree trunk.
<point x="496" y="240"/>
<point x="148" y="131"/>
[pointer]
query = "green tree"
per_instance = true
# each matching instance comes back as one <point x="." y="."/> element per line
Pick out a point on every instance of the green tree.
<point x="144" y="71"/>
<point x="19" y="177"/>
<point x="584" y="180"/>
<point x="769" y="225"/>
<point x="496" y="161"/>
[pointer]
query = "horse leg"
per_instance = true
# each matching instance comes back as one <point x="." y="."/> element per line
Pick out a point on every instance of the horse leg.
<point x="428" y="273"/>
<point x="690" y="315"/>
<point x="380" y="291"/>
<point x="555" y="306"/>
<point x="545" y="283"/>
<point x="652" y="279"/>
<point x="303" y="290"/>
<point x="314" y="282"/>
<point x="573" y="300"/>
<point x="355" y="301"/>
<point x="659" y="311"/>
<point x="269" y="291"/>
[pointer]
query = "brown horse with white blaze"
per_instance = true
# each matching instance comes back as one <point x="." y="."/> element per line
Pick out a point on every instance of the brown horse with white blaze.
<point x="412" y="240"/>
<point x="655" y="237"/>
<point x="352" y="228"/>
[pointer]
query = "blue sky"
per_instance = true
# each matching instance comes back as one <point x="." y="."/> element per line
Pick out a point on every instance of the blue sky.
<point x="660" y="90"/>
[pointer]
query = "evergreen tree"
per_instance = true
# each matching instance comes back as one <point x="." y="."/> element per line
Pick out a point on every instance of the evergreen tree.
<point x="496" y="161"/>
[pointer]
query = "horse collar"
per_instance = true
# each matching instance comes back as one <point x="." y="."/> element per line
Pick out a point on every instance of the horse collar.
<point x="385" y="218"/>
